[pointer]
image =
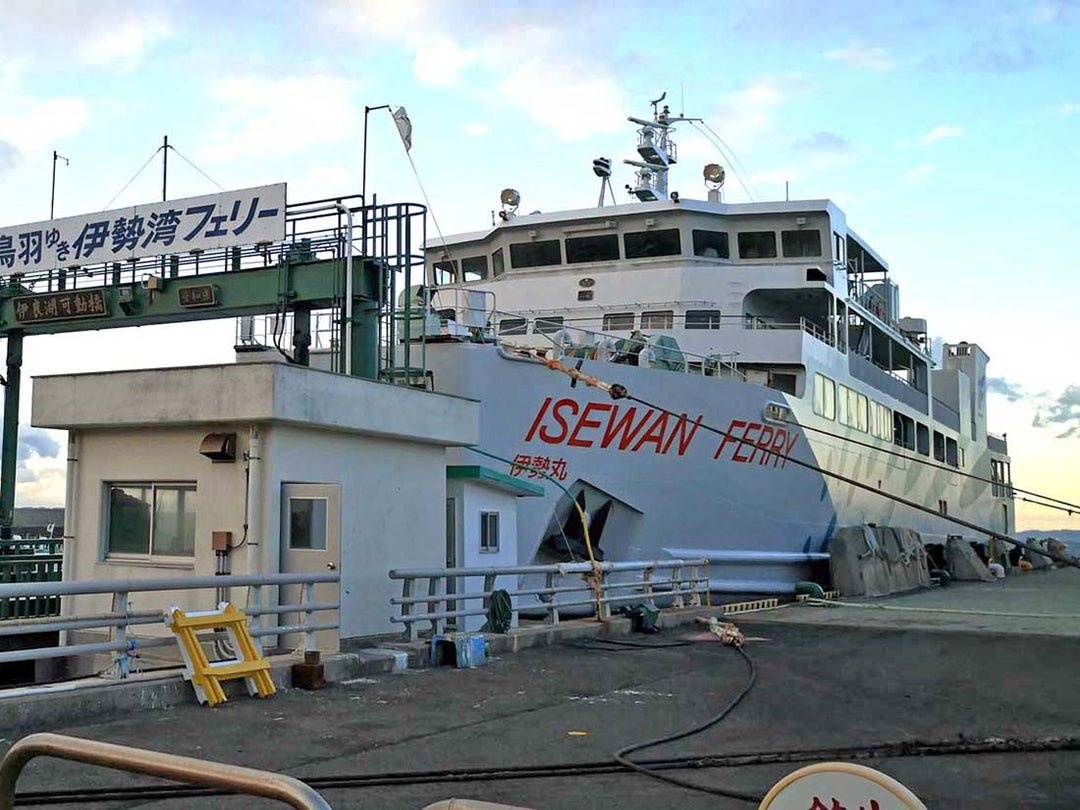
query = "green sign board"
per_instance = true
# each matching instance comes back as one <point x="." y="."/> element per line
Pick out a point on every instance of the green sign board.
<point x="61" y="306"/>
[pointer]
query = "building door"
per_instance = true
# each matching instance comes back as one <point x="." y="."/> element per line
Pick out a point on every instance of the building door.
<point x="311" y="543"/>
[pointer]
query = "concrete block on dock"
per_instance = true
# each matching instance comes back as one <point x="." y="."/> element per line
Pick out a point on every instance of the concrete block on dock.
<point x="964" y="564"/>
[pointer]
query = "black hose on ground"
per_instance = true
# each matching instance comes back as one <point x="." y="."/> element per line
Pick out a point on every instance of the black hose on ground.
<point x="621" y="756"/>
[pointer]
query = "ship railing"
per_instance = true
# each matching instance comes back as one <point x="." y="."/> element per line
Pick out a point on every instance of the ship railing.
<point x="566" y="586"/>
<point x="116" y="624"/>
<point x="803" y="324"/>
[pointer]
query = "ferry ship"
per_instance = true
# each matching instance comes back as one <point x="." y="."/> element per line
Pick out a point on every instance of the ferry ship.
<point x="774" y="322"/>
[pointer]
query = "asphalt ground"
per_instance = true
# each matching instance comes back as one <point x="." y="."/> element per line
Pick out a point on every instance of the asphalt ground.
<point x="818" y="686"/>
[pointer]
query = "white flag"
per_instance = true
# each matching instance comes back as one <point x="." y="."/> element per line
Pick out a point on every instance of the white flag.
<point x="404" y="127"/>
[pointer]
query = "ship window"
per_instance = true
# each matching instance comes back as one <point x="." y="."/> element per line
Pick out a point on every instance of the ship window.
<point x="547" y="325"/>
<point x="781" y="381"/>
<point x="711" y="244"/>
<point x="824" y="396"/>
<point x="659" y="319"/>
<point x="535" y="254"/>
<point x="881" y="421"/>
<point x="151" y="520"/>
<point x="445" y="272"/>
<point x="702" y="319"/>
<point x="642" y="244"/>
<point x="861" y="418"/>
<point x="513" y="326"/>
<point x="474" y="268"/>
<point x="592" y="249"/>
<point x="489" y="531"/>
<point x="498" y="263"/>
<point x="903" y="430"/>
<point x="800" y="244"/>
<point x="922" y="439"/>
<point x="939" y="446"/>
<point x="838" y="248"/>
<point x="852" y="408"/>
<point x="757" y="245"/>
<point x="842" y="405"/>
<point x="618" y="321"/>
<point x="951" y="454"/>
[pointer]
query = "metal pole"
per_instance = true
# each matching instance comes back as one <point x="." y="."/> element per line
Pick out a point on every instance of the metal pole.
<point x="52" y="197"/>
<point x="10" y="451"/>
<point x="164" y="168"/>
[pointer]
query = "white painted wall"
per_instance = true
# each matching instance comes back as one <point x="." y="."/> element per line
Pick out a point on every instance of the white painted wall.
<point x="474" y="497"/>
<point x="393" y="511"/>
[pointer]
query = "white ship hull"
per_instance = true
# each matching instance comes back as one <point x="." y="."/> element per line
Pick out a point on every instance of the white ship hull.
<point x="680" y="490"/>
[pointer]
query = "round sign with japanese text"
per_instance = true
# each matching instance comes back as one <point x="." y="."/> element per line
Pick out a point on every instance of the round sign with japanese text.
<point x="839" y="786"/>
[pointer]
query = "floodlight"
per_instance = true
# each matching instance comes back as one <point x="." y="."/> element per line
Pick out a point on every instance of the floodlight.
<point x="511" y="197"/>
<point x="714" y="173"/>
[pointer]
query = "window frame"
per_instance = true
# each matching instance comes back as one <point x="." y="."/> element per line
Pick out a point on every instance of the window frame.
<point x="824" y="406"/>
<point x="147" y="557"/>
<point x="711" y="321"/>
<point x="516" y="264"/>
<point x="520" y="326"/>
<point x="699" y="235"/>
<point x="464" y="270"/>
<point x="607" y="326"/>
<point x="573" y="243"/>
<point x="775" y="246"/>
<point x="326" y="521"/>
<point x="667" y="319"/>
<point x="800" y="255"/>
<point x="489" y="518"/>
<point x="548" y="325"/>
<point x="642" y="236"/>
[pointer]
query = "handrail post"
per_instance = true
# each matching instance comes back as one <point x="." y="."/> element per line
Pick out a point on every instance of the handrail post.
<point x="406" y="608"/>
<point x="256" y="596"/>
<point x="309" y="598"/>
<point x="553" y="597"/>
<point x="677" y="581"/>
<point x="120" y="658"/>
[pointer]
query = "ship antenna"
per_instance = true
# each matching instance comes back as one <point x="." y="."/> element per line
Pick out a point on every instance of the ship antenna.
<point x="657" y="150"/>
<point x="601" y="167"/>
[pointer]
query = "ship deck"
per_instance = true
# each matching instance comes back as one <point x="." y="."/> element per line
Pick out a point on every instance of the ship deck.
<point x="826" y="677"/>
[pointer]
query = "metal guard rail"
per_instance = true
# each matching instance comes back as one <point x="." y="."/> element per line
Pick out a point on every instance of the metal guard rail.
<point x="154" y="763"/>
<point x="119" y="619"/>
<point x="691" y="589"/>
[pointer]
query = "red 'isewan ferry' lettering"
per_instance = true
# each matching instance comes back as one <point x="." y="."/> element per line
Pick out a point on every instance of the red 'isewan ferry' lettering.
<point x="752" y="441"/>
<point x="604" y="425"/>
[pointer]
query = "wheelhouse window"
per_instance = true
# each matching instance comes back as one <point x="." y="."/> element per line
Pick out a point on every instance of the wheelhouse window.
<point x="711" y="244"/>
<point x="547" y="325"/>
<point x="535" y="254"/>
<point x="658" y="319"/>
<point x="474" y="268"/>
<point x="618" y="321"/>
<point x="922" y="439"/>
<point x="489" y="532"/>
<point x="939" y="446"/>
<point x="150" y="520"/>
<point x="702" y="319"/>
<point x="801" y="244"/>
<point x="643" y="244"/>
<point x="513" y="326"/>
<point x="445" y="272"/>
<point x="582" y="249"/>
<point x="498" y="263"/>
<point x="757" y="245"/>
<point x="824" y="396"/>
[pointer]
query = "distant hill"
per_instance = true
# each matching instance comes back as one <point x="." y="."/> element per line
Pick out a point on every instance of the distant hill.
<point x="1070" y="537"/>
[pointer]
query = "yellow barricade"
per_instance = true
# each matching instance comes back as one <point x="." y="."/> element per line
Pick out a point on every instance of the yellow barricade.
<point x="206" y="675"/>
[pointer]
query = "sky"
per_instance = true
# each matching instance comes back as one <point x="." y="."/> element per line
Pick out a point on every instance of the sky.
<point x="949" y="132"/>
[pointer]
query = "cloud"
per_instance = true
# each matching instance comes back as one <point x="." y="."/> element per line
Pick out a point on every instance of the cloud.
<point x="439" y="61"/>
<point x="258" y="116"/>
<point x="918" y="175"/>
<point x="476" y="130"/>
<point x="862" y="57"/>
<point x="1069" y="108"/>
<point x="825" y="141"/>
<point x="1063" y="411"/>
<point x="26" y="122"/>
<point x="9" y="156"/>
<point x="36" y="442"/>
<point x="749" y="113"/>
<point x="1001" y="386"/>
<point x="114" y="34"/>
<point x="941" y="132"/>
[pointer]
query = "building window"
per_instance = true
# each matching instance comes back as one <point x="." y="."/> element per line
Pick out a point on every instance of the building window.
<point x="545" y="326"/>
<point x="643" y="244"/>
<point x="474" y="268"/>
<point x="757" y="245"/>
<point x="801" y="244"/>
<point x="702" y="319"/>
<point x="618" y="321"/>
<point x="592" y="249"/>
<point x="498" y="263"/>
<point x="711" y="244"/>
<point x="660" y="319"/>
<point x="824" y="396"/>
<point x="489" y="531"/>
<point x="307" y="523"/>
<point x="536" y="254"/>
<point x="151" y="520"/>
<point x="513" y="326"/>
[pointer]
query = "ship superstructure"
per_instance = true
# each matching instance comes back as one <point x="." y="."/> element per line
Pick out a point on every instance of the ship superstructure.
<point x="751" y="316"/>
